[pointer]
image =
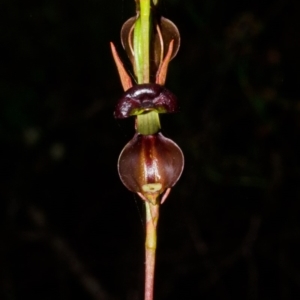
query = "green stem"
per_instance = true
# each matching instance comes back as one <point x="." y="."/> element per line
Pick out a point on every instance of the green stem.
<point x="141" y="43"/>
<point x="152" y="214"/>
<point x="138" y="51"/>
<point x="147" y="123"/>
<point x="145" y="31"/>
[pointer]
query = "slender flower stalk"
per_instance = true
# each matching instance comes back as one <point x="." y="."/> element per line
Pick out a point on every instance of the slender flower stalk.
<point x="142" y="42"/>
<point x="152" y="214"/>
<point x="142" y="67"/>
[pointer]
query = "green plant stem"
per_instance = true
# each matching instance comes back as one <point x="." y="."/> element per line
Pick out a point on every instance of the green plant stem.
<point x="148" y="124"/>
<point x="138" y="51"/>
<point x="152" y="214"/>
<point x="145" y="31"/>
<point x="141" y="43"/>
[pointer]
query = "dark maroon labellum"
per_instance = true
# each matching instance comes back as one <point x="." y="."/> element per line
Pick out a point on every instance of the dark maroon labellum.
<point x="145" y="97"/>
<point x="150" y="164"/>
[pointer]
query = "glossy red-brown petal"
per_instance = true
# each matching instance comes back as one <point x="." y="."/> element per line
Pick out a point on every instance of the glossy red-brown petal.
<point x="162" y="33"/>
<point x="127" y="38"/>
<point x="163" y="68"/>
<point x="145" y="97"/>
<point x="150" y="164"/>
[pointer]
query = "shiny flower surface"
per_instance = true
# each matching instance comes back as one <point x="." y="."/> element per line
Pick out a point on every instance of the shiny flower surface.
<point x="150" y="164"/>
<point x="145" y="97"/>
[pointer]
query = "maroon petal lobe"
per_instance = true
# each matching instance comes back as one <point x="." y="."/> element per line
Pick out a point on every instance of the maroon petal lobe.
<point x="168" y="32"/>
<point x="145" y="97"/>
<point x="150" y="164"/>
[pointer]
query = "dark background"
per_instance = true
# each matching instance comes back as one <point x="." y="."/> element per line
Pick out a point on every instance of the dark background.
<point x="230" y="228"/>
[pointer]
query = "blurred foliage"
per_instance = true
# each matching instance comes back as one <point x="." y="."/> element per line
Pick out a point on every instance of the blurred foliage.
<point x="230" y="228"/>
